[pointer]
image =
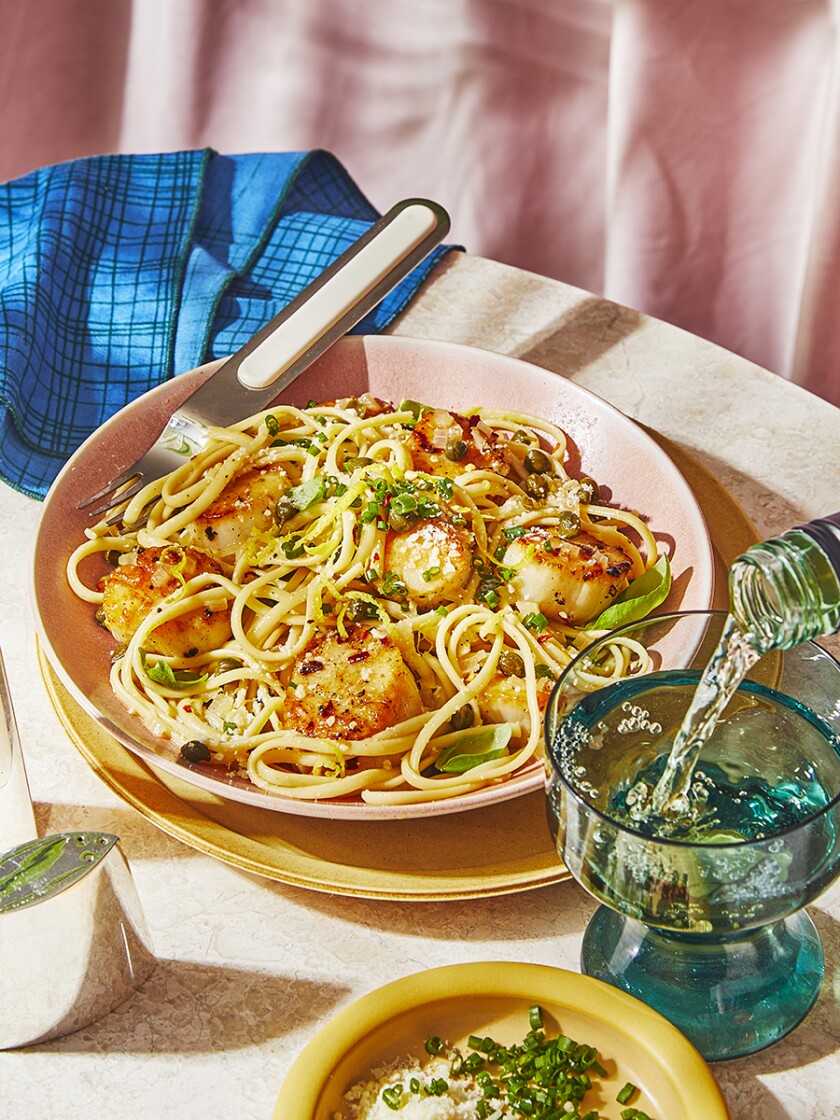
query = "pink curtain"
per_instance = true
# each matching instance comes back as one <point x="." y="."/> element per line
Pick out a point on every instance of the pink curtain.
<point x="678" y="156"/>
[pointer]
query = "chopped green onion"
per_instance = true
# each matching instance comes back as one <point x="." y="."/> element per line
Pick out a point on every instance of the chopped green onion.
<point x="430" y="573"/>
<point x="392" y="1096"/>
<point x="626" y="1093"/>
<point x="292" y="548"/>
<point x="535" y="622"/>
<point x="436" y="1087"/>
<point x="404" y="503"/>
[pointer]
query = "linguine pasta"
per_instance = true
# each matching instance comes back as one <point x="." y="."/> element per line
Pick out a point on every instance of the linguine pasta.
<point x="361" y="599"/>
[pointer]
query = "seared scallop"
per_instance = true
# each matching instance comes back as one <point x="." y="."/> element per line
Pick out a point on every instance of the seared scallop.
<point x="570" y="579"/>
<point x="245" y="506"/>
<point x="350" y="688"/>
<point x="131" y="592"/>
<point x="433" y="560"/>
<point x="445" y="443"/>
<point x="505" y="700"/>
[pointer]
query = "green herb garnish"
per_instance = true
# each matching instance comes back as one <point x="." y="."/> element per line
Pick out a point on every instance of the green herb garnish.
<point x="471" y="750"/>
<point x="163" y="673"/>
<point x="307" y="493"/>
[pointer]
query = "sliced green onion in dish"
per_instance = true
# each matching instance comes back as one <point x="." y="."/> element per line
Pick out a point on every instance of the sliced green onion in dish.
<point x="540" y="1078"/>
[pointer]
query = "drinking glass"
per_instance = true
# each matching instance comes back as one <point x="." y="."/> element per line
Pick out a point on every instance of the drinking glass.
<point x="705" y="923"/>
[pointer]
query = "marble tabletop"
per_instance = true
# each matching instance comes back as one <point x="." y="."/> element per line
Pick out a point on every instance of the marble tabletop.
<point x="248" y="969"/>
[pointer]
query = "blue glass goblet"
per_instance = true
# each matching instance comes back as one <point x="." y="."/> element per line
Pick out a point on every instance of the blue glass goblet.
<point x="702" y="917"/>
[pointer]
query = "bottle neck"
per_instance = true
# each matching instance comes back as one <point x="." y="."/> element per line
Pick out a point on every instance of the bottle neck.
<point x="826" y="532"/>
<point x="787" y="590"/>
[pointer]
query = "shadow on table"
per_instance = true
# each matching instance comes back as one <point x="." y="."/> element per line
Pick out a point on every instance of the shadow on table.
<point x="186" y="1007"/>
<point x="818" y="1035"/>
<point x="580" y="335"/>
<point x="140" y="838"/>
<point x="546" y="913"/>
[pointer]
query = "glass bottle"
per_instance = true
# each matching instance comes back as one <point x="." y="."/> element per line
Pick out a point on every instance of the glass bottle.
<point x="787" y="590"/>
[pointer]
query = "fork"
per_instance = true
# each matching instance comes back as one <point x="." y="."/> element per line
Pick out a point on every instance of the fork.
<point x="281" y="350"/>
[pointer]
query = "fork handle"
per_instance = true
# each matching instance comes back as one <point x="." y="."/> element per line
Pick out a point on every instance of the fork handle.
<point x="344" y="293"/>
<point x="324" y="311"/>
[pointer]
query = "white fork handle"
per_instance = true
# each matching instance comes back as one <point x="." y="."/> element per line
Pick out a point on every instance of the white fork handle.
<point x="406" y="229"/>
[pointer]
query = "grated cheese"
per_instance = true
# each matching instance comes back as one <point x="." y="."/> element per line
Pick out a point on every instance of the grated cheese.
<point x="364" y="1101"/>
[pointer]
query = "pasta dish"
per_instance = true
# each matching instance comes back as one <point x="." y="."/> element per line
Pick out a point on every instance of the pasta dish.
<point x="364" y="599"/>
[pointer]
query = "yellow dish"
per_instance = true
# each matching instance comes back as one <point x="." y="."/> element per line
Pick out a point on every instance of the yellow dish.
<point x="634" y="1042"/>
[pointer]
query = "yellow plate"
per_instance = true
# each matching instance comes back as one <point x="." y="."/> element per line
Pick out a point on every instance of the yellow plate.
<point x="634" y="1043"/>
<point x="451" y="857"/>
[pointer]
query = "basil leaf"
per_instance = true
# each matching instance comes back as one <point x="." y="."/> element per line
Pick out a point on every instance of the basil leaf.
<point x="163" y="673"/>
<point x="638" y="600"/>
<point x="471" y="750"/>
<point x="307" y="494"/>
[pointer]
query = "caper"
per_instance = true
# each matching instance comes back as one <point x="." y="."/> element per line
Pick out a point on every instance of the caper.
<point x="101" y="619"/>
<point x="511" y="664"/>
<point x="455" y="450"/>
<point x="537" y="462"/>
<point x="355" y="462"/>
<point x="463" y="718"/>
<point x="227" y="665"/>
<point x="535" y="486"/>
<point x="358" y="610"/>
<point x="113" y="557"/>
<point x="195" y="751"/>
<point x="588" y="489"/>
<point x="402" y="522"/>
<point x="118" y="652"/>
<point x="568" y="524"/>
<point x="284" y="510"/>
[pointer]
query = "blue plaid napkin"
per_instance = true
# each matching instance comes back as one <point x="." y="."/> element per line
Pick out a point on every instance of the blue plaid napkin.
<point x="117" y="272"/>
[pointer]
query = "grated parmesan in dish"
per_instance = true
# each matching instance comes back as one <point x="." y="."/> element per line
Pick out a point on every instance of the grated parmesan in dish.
<point x="364" y="1101"/>
<point x="541" y="1076"/>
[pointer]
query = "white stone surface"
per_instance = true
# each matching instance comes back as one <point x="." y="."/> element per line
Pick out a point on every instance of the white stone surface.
<point x="249" y="969"/>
